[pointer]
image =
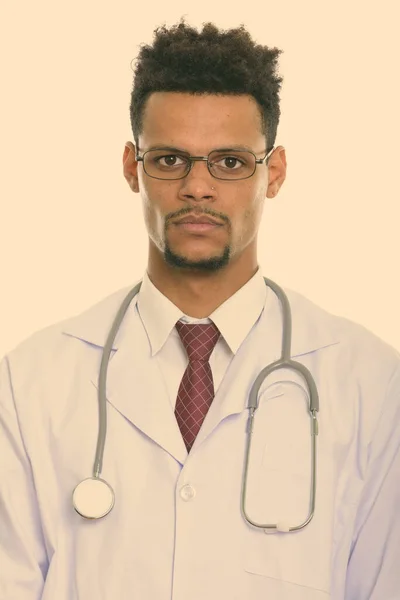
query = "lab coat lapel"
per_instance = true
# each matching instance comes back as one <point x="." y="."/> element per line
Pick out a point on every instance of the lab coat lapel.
<point x="257" y="350"/>
<point x="311" y="331"/>
<point x="135" y="387"/>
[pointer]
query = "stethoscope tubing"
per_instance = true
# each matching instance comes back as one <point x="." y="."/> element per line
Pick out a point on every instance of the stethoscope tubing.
<point x="284" y="362"/>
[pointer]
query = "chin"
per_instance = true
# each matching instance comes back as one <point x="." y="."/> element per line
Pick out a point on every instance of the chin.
<point x="198" y="263"/>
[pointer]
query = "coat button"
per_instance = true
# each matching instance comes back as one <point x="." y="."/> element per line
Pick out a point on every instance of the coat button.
<point x="187" y="493"/>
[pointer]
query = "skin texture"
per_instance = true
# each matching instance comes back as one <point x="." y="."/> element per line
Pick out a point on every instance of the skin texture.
<point x="198" y="271"/>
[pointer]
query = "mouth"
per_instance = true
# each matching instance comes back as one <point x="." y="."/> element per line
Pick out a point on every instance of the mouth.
<point x="197" y="227"/>
<point x="197" y="224"/>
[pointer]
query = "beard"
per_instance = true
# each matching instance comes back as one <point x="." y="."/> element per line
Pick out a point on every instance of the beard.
<point x="211" y="264"/>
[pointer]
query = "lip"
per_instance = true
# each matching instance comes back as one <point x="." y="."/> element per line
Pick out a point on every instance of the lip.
<point x="197" y="226"/>
<point x="191" y="219"/>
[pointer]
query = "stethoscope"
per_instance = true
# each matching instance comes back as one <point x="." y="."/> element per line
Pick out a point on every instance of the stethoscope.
<point x="93" y="498"/>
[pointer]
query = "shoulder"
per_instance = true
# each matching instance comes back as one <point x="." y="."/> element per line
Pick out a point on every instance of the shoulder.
<point x="90" y="326"/>
<point x="350" y="342"/>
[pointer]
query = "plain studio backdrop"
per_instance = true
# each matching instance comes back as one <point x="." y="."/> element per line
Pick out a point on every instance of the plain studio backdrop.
<point x="72" y="232"/>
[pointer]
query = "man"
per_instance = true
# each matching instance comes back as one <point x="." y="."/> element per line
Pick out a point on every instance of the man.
<point x="177" y="416"/>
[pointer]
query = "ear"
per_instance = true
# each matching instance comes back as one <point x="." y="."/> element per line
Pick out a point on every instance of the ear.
<point x="130" y="166"/>
<point x="276" y="171"/>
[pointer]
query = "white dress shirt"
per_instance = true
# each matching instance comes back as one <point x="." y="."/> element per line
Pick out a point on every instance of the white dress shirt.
<point x="234" y="319"/>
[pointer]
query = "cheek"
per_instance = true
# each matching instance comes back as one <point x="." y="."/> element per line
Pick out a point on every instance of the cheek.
<point x="250" y="209"/>
<point x="150" y="216"/>
<point x="153" y="219"/>
<point x="249" y="223"/>
<point x="247" y="220"/>
<point x="155" y="207"/>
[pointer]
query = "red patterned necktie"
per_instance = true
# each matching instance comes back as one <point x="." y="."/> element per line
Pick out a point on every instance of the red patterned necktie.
<point x="196" y="391"/>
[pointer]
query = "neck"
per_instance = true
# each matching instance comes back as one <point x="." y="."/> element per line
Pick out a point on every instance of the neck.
<point x="198" y="294"/>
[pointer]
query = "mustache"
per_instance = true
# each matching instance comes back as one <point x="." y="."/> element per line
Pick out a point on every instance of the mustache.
<point x="198" y="213"/>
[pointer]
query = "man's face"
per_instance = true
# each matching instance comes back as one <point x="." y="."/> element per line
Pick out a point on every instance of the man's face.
<point x="198" y="125"/>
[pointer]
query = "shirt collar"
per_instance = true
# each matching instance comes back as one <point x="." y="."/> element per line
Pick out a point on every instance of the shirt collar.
<point x="159" y="315"/>
<point x="313" y="328"/>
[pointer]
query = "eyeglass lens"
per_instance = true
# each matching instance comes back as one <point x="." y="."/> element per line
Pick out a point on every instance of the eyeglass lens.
<point x="223" y="165"/>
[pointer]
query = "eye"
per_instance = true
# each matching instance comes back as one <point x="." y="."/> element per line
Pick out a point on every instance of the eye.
<point x="170" y="160"/>
<point x="229" y="162"/>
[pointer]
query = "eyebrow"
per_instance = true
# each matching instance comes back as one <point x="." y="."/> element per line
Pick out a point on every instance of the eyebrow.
<point x="225" y="148"/>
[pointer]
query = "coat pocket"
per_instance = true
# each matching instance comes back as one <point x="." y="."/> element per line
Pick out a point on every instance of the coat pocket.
<point x="301" y="557"/>
<point x="279" y="486"/>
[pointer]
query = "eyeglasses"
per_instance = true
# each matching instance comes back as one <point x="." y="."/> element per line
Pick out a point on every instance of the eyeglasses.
<point x="225" y="163"/>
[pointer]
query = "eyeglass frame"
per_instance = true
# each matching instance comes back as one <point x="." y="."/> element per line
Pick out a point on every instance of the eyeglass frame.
<point x="192" y="159"/>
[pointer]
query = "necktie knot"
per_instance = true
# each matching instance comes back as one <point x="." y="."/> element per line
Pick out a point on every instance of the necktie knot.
<point x="199" y="339"/>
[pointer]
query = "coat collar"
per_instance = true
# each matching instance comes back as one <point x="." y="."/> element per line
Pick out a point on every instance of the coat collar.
<point x="313" y="328"/>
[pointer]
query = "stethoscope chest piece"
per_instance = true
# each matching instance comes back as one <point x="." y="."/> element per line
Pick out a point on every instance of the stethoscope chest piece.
<point x="93" y="498"/>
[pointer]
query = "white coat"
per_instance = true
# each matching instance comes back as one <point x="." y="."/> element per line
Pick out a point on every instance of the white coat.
<point x="176" y="531"/>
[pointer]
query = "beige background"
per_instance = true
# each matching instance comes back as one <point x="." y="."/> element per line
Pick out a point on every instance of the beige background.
<point x="72" y="232"/>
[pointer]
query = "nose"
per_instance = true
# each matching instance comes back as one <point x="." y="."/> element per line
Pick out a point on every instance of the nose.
<point x="198" y="183"/>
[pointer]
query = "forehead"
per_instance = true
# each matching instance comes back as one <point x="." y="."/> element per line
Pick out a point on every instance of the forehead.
<point x="192" y="120"/>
